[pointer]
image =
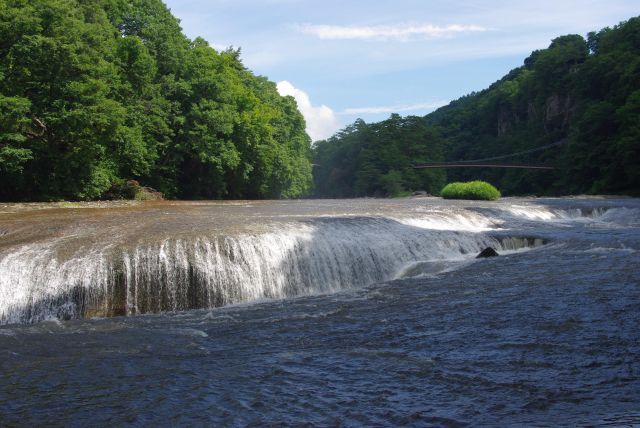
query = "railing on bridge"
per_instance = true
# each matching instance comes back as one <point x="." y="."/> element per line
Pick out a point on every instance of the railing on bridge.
<point x="479" y="165"/>
<point x="488" y="162"/>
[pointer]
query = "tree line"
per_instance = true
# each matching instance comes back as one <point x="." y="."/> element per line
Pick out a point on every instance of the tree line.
<point x="582" y="93"/>
<point x="94" y="93"/>
<point x="97" y="92"/>
<point x="377" y="159"/>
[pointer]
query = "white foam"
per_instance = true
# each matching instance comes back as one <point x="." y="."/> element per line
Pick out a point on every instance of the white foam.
<point x="193" y="332"/>
<point x="468" y="221"/>
<point x="300" y="258"/>
<point x="620" y="216"/>
<point x="604" y="250"/>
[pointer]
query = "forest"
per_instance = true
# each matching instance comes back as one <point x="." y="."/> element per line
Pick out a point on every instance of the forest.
<point x="377" y="159"/>
<point x="579" y="97"/>
<point x="96" y="93"/>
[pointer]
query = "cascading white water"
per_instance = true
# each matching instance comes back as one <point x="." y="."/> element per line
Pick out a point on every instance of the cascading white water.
<point x="48" y="278"/>
<point x="35" y="285"/>
<point x="545" y="213"/>
<point x="315" y="256"/>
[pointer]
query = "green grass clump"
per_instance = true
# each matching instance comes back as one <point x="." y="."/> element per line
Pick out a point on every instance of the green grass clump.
<point x="471" y="190"/>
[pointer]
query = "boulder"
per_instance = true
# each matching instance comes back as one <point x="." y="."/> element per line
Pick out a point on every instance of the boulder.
<point x="487" y="252"/>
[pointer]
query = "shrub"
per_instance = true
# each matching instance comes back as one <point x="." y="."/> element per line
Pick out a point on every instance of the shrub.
<point x="148" y="194"/>
<point x="470" y="190"/>
<point x="131" y="189"/>
<point x="391" y="182"/>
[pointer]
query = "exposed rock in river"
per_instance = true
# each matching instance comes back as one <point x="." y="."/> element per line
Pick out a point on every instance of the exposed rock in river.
<point x="487" y="252"/>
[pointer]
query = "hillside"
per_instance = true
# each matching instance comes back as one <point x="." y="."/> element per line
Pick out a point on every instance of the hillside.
<point x="583" y="94"/>
<point x="94" y="93"/>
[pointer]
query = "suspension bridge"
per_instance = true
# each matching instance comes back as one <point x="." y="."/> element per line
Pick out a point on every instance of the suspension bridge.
<point x="490" y="162"/>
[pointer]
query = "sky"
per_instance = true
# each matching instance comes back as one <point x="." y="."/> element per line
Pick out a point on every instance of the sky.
<point x="349" y="59"/>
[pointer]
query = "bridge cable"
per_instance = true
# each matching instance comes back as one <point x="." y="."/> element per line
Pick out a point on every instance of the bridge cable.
<point x="537" y="149"/>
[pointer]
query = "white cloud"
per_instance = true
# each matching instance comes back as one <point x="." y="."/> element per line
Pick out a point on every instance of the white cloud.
<point x="402" y="32"/>
<point x="395" y="108"/>
<point x="321" y="120"/>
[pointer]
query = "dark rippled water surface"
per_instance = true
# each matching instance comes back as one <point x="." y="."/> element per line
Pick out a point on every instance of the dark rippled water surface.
<point x="546" y="337"/>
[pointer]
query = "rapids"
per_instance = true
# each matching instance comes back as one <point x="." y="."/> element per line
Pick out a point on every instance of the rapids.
<point x="65" y="263"/>
<point x="351" y="312"/>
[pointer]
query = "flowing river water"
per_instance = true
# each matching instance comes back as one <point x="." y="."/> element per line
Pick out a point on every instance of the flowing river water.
<point x="327" y="312"/>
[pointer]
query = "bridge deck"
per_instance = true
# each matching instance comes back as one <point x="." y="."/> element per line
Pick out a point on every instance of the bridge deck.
<point x="479" y="165"/>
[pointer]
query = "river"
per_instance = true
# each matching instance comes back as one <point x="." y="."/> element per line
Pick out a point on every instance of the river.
<point x="329" y="312"/>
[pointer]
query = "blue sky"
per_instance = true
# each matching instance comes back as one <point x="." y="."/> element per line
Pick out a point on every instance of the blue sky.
<point x="344" y="60"/>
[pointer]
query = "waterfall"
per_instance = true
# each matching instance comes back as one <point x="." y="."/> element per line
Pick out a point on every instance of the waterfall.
<point x="44" y="279"/>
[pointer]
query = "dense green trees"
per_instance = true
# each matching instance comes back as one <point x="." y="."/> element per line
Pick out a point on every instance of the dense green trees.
<point x="585" y="93"/>
<point x="376" y="159"/>
<point x="96" y="92"/>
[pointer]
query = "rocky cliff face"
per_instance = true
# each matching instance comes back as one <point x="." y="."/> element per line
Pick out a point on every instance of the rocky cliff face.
<point x="558" y="113"/>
